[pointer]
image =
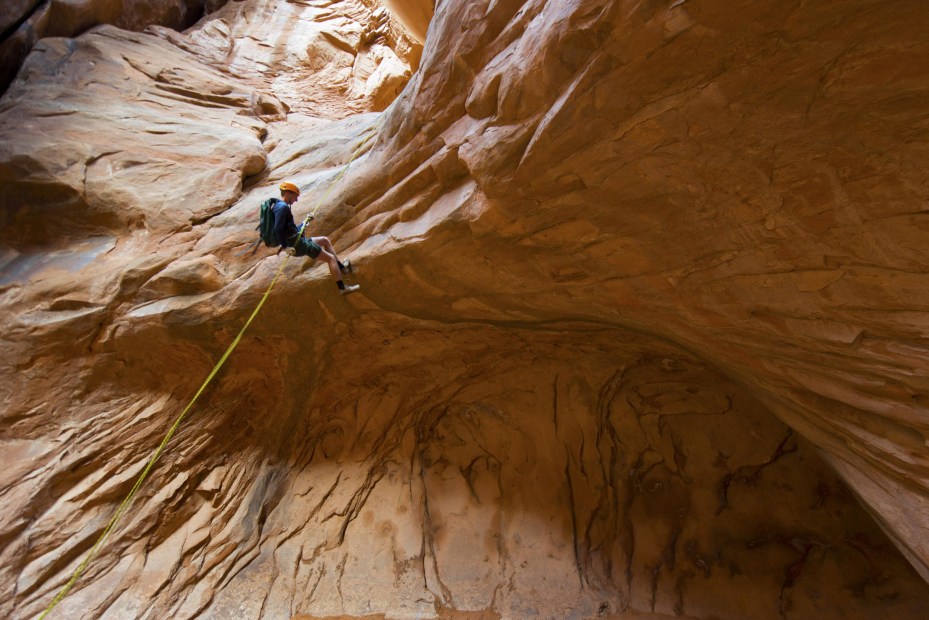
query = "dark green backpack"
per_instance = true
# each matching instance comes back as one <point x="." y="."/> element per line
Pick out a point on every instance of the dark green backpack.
<point x="266" y="223"/>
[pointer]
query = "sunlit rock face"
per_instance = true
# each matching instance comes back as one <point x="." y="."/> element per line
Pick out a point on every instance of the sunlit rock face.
<point x="95" y="123"/>
<point x="23" y="22"/>
<point x="639" y="333"/>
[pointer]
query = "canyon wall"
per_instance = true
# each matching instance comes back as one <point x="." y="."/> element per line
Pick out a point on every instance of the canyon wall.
<point x="23" y="22"/>
<point x="640" y="332"/>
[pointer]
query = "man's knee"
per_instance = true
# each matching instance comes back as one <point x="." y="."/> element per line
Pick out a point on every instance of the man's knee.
<point x="327" y="257"/>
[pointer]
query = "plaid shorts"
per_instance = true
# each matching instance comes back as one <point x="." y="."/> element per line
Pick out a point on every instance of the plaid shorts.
<point x="303" y="246"/>
<point x="306" y="247"/>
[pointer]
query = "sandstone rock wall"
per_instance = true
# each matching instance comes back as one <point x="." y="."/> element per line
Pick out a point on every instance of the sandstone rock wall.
<point x="708" y="177"/>
<point x="23" y="22"/>
<point x="639" y="333"/>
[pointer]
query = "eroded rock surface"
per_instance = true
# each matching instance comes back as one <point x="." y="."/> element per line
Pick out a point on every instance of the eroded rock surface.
<point x="23" y="22"/>
<point x="640" y="332"/>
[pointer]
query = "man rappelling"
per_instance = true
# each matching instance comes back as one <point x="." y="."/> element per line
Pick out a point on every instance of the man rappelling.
<point x="277" y="228"/>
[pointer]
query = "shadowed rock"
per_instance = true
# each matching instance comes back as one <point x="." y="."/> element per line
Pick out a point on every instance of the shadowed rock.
<point x="23" y="22"/>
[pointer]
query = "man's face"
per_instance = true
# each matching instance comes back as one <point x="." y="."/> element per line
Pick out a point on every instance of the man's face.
<point x="290" y="197"/>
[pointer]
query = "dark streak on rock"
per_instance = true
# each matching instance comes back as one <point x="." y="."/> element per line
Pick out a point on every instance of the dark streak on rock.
<point x="749" y="474"/>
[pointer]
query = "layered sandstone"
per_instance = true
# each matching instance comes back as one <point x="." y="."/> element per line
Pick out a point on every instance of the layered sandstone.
<point x="639" y="336"/>
<point x="24" y="22"/>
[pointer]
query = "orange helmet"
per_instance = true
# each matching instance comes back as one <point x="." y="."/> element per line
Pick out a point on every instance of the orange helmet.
<point x="287" y="186"/>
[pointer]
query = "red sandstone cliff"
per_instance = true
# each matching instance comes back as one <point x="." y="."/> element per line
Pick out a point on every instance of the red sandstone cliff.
<point x="640" y="331"/>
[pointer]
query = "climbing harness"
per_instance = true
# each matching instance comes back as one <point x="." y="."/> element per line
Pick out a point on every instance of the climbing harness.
<point x="222" y="360"/>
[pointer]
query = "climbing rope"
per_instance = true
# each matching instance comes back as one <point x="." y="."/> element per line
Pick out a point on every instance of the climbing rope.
<point x="222" y="360"/>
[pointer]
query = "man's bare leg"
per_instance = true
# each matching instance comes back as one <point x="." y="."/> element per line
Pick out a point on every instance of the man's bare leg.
<point x="325" y="244"/>
<point x="334" y="269"/>
<point x="331" y="260"/>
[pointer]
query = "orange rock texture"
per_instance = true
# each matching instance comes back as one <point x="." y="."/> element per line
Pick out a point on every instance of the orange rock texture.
<point x="641" y="331"/>
<point x="23" y="22"/>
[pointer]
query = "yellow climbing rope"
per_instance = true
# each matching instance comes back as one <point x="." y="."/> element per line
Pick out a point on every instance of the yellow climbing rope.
<point x="222" y="360"/>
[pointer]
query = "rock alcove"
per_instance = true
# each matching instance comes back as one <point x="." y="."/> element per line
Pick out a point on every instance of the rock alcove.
<point x="640" y="334"/>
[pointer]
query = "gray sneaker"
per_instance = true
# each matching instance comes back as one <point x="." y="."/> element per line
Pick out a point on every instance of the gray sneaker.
<point x="349" y="288"/>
